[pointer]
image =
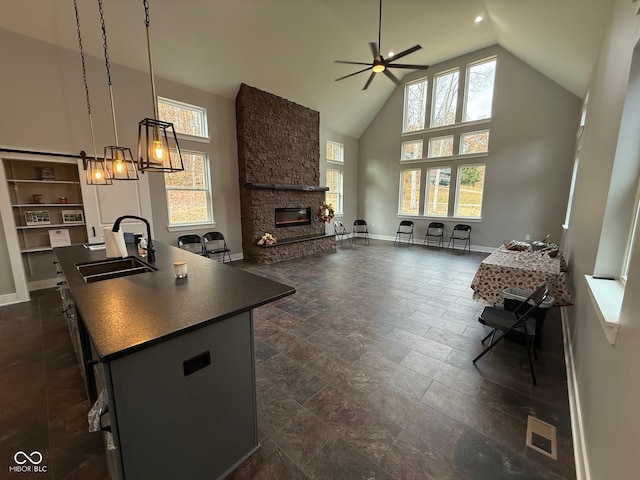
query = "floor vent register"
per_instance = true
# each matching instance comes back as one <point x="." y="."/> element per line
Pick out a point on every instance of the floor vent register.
<point x="541" y="437"/>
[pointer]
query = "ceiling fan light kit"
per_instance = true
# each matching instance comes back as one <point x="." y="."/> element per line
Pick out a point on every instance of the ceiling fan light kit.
<point x="381" y="64"/>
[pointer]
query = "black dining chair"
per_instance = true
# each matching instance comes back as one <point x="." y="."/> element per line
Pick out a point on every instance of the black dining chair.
<point x="520" y="320"/>
<point x="434" y="230"/>
<point x="404" y="228"/>
<point x="360" y="229"/>
<point x="461" y="234"/>
<point x="214" y="244"/>
<point x="192" y="243"/>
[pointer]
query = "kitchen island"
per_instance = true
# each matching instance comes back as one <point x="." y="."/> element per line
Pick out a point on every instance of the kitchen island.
<point x="175" y="359"/>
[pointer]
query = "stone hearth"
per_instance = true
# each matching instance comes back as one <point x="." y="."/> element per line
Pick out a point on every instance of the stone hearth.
<point x="279" y="166"/>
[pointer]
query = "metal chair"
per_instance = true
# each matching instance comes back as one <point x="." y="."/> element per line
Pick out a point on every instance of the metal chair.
<point x="214" y="244"/>
<point x="340" y="231"/>
<point x="460" y="233"/>
<point x="360" y="229"/>
<point x="436" y="230"/>
<point x="405" y="228"/>
<point x="518" y="320"/>
<point x="192" y="243"/>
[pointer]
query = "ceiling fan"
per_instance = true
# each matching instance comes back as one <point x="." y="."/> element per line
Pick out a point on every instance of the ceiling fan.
<point x="381" y="64"/>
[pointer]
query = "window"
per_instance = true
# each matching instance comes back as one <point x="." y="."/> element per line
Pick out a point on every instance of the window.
<point x="335" y="152"/>
<point x="334" y="195"/>
<point x="415" y="106"/>
<point x="441" y="146"/>
<point x="188" y="120"/>
<point x="470" y="189"/>
<point x="438" y="185"/>
<point x="410" y="191"/>
<point x="188" y="192"/>
<point x="474" y="142"/>
<point x="412" y="150"/>
<point x="479" y="90"/>
<point x="445" y="99"/>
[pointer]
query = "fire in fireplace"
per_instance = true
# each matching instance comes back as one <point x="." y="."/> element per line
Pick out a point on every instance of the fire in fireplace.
<point x="293" y="217"/>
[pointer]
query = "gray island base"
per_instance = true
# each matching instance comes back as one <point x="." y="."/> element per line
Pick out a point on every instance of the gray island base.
<point x="176" y="360"/>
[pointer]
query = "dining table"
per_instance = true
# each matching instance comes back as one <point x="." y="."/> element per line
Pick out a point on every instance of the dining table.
<point x="525" y="270"/>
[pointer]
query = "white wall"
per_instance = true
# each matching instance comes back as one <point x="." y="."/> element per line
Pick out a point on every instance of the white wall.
<point x="607" y="381"/>
<point x="528" y="169"/>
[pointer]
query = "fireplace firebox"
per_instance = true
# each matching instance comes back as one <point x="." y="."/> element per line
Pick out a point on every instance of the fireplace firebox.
<point x="293" y="217"/>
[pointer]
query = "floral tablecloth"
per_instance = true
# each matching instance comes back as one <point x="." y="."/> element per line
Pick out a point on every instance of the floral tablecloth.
<point x="527" y="270"/>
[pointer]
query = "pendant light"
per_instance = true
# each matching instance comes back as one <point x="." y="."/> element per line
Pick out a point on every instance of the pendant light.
<point x="158" y="149"/>
<point x="119" y="160"/>
<point x="96" y="173"/>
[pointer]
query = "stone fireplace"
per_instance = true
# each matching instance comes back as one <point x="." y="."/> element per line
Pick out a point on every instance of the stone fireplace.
<point x="279" y="168"/>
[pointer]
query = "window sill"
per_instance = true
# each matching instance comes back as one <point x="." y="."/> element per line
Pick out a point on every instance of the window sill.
<point x="192" y="138"/>
<point x="445" y="159"/>
<point x="193" y="226"/>
<point x="448" y="127"/>
<point x="334" y="162"/>
<point x="606" y="296"/>
<point x="439" y="219"/>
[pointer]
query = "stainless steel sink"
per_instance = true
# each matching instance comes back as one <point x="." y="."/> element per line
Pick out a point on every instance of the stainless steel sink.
<point x="112" y="268"/>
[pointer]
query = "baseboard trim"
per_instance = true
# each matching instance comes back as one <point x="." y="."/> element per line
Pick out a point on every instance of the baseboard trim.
<point x="577" y="428"/>
<point x="8" y="299"/>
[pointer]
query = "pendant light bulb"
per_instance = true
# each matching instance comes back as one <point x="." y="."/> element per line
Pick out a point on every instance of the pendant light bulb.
<point x="119" y="167"/>
<point x="158" y="148"/>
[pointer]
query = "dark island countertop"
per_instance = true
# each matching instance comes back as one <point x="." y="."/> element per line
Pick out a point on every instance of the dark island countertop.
<point x="126" y="314"/>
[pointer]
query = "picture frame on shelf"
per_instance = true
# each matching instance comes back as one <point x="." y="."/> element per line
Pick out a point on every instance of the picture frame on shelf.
<point x="59" y="238"/>
<point x="37" y="217"/>
<point x="46" y="173"/>
<point x="72" y="216"/>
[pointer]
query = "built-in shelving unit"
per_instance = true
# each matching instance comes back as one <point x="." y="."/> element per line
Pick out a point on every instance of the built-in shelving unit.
<point x="46" y="202"/>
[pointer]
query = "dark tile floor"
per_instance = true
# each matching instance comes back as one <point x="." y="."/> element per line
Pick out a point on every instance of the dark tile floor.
<point x="364" y="373"/>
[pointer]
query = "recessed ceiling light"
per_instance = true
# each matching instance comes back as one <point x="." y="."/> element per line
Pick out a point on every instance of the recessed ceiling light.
<point x="478" y="19"/>
<point x="390" y="54"/>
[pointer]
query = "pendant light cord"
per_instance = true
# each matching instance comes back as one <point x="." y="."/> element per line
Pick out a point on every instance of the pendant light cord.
<point x="84" y="78"/>
<point x="153" y="83"/>
<point x="106" y="61"/>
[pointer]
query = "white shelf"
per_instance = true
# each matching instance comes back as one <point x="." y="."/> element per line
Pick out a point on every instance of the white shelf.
<point x="16" y="180"/>
<point x="42" y="249"/>
<point x="40" y="205"/>
<point x="49" y="225"/>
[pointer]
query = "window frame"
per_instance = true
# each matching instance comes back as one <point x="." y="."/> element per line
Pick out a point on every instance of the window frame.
<point x="339" y="208"/>
<point x="427" y="192"/>
<point x="341" y="150"/>
<point x="456" y="205"/>
<point x="432" y="109"/>
<point x="429" y="149"/>
<point x="475" y="132"/>
<point x="465" y="101"/>
<point x="425" y="107"/>
<point x="204" y="124"/>
<point x="401" y="191"/>
<point x="402" y="153"/>
<point x="207" y="189"/>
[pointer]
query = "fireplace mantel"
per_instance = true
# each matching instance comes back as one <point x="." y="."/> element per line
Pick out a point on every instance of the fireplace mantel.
<point x="283" y="186"/>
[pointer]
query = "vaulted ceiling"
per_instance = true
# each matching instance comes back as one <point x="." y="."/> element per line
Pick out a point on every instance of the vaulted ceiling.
<point x="288" y="47"/>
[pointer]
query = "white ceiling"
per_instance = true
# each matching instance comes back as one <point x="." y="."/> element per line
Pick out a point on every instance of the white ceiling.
<point x="287" y="47"/>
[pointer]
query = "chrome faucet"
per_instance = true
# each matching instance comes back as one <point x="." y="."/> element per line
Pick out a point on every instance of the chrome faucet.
<point x="150" y="250"/>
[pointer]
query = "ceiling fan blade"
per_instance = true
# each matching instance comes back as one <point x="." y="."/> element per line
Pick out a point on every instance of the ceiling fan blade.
<point x="352" y="74"/>
<point x="366" y="85"/>
<point x="391" y="76"/>
<point x="374" y="50"/>
<point x="404" y="65"/>
<point x="405" y="52"/>
<point x="352" y="63"/>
